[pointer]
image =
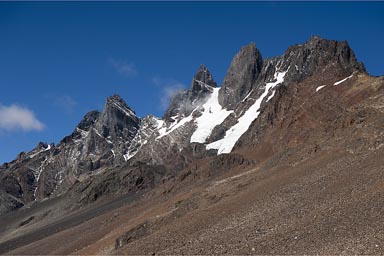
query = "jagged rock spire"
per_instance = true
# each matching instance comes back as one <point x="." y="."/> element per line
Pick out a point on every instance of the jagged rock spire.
<point x="202" y="76"/>
<point x="185" y="101"/>
<point x="331" y="57"/>
<point x="117" y="119"/>
<point x="241" y="75"/>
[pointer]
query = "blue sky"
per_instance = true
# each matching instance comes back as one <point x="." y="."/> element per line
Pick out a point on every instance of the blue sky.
<point x="59" y="60"/>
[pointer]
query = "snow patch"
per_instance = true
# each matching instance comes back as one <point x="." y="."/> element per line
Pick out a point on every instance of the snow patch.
<point x="37" y="174"/>
<point x="98" y="134"/>
<point x="126" y="111"/>
<point x="226" y="144"/>
<point x="320" y="87"/>
<point x="43" y="150"/>
<point x="213" y="115"/>
<point x="201" y="83"/>
<point x="341" y="81"/>
<point x="176" y="125"/>
<point x="128" y="156"/>
<point x="246" y="97"/>
<point x="161" y="128"/>
<point x="146" y="130"/>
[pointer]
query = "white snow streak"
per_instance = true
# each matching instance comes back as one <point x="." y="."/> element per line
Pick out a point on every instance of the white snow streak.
<point x="37" y="177"/>
<point x="246" y="97"/>
<point x="128" y="112"/>
<point x="202" y="84"/>
<point x="130" y="155"/>
<point x="98" y="134"/>
<point x="161" y="128"/>
<point x="176" y="125"/>
<point x="232" y="135"/>
<point x="320" y="87"/>
<point x="43" y="150"/>
<point x="341" y="81"/>
<point x="213" y="115"/>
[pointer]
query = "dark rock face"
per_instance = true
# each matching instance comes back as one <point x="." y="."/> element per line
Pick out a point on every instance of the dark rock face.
<point x="9" y="203"/>
<point x="184" y="102"/>
<point x="241" y="76"/>
<point x="227" y="161"/>
<point x="329" y="57"/>
<point x="175" y="105"/>
<point x="122" y="180"/>
<point x="117" y="120"/>
<point x="88" y="120"/>
<point x="199" y="84"/>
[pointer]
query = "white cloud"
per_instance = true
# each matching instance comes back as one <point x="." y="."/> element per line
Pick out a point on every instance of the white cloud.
<point x="123" y="67"/>
<point x="169" y="88"/>
<point x="66" y="103"/>
<point x="15" y="117"/>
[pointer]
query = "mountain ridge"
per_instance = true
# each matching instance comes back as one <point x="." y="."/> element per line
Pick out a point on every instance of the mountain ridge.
<point x="283" y="114"/>
<point x="274" y="158"/>
<point x="116" y="135"/>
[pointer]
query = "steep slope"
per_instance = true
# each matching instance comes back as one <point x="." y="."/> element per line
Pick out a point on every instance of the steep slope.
<point x="264" y="164"/>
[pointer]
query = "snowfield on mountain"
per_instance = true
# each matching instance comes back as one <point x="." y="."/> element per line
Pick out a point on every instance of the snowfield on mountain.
<point x="285" y="157"/>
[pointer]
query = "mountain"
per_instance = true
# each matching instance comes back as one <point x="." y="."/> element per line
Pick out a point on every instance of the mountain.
<point x="265" y="164"/>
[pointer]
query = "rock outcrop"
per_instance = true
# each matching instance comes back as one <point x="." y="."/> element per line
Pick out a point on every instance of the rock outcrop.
<point x="241" y="76"/>
<point x="185" y="101"/>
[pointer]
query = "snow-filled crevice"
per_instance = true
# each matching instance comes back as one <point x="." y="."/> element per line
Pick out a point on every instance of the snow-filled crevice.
<point x="37" y="174"/>
<point x="343" y="80"/>
<point x="164" y="131"/>
<point x="212" y="115"/>
<point x="232" y="135"/>
<point x="126" y="111"/>
<point x="141" y="138"/>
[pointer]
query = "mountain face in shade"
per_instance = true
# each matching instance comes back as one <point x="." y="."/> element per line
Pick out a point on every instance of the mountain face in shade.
<point x="200" y="122"/>
<point x="185" y="101"/>
<point x="117" y="121"/>
<point x="320" y="56"/>
<point x="241" y="76"/>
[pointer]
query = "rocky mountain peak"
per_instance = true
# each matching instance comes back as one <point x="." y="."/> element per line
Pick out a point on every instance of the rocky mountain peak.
<point x="42" y="145"/>
<point x="117" y="119"/>
<point x="88" y="120"/>
<point x="201" y="84"/>
<point x="114" y="97"/>
<point x="115" y="101"/>
<point x="185" y="101"/>
<point x="201" y="78"/>
<point x="241" y="75"/>
<point x="319" y="55"/>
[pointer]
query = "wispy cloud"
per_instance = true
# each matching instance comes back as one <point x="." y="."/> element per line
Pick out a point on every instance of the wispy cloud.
<point x="123" y="67"/>
<point x="15" y="117"/>
<point x="66" y="103"/>
<point x="169" y="87"/>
